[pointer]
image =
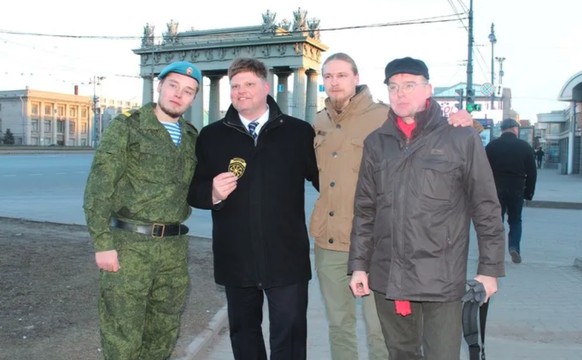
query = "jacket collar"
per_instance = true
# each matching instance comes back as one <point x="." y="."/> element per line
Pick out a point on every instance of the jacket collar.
<point x="361" y="98"/>
<point x="150" y="121"/>
<point x="426" y="120"/>
<point x="232" y="117"/>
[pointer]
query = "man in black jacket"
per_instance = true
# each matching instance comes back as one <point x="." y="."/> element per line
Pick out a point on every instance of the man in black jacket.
<point x="514" y="169"/>
<point x="421" y="183"/>
<point x="252" y="167"/>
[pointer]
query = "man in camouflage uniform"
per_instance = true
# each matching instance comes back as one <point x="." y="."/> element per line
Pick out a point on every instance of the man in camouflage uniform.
<point x="135" y="201"/>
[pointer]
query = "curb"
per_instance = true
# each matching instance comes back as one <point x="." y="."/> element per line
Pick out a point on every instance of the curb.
<point x="554" y="204"/>
<point x="206" y="338"/>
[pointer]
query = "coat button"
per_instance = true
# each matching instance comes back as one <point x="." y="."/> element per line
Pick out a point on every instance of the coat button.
<point x="330" y="241"/>
<point x="331" y="213"/>
<point x="332" y="184"/>
<point x="338" y="126"/>
<point x="334" y="154"/>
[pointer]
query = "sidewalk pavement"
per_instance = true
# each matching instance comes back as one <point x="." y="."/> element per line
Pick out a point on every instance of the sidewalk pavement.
<point x="536" y="313"/>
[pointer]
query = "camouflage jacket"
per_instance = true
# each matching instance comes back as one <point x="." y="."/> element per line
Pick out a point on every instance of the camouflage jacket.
<point x="139" y="175"/>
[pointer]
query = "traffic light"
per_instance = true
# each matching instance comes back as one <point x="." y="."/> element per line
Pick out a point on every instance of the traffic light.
<point x="473" y="107"/>
<point x="470" y="96"/>
<point x="459" y="98"/>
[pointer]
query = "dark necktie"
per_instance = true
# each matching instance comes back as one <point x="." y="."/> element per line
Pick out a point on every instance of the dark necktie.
<point x="252" y="127"/>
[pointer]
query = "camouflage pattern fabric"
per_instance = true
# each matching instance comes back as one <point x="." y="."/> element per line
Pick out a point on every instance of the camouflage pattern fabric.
<point x="139" y="175"/>
<point x="140" y="305"/>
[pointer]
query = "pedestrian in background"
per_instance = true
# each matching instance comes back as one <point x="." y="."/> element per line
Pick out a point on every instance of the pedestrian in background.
<point x="349" y="116"/>
<point x="514" y="168"/>
<point x="135" y="202"/>
<point x="539" y="157"/>
<point x="251" y="173"/>
<point x="420" y="184"/>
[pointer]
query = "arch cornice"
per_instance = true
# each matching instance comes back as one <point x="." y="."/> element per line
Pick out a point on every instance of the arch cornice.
<point x="572" y="89"/>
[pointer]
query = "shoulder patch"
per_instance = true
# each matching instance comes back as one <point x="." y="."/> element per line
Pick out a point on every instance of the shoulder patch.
<point x="127" y="113"/>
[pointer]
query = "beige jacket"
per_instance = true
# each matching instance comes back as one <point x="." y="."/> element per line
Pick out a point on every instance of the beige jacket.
<point x="339" y="142"/>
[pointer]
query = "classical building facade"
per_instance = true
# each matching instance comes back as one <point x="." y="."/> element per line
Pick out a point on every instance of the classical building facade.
<point x="288" y="48"/>
<point x="46" y="118"/>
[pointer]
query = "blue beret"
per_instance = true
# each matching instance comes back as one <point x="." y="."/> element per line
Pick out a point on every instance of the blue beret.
<point x="184" y="68"/>
<point x="405" y="65"/>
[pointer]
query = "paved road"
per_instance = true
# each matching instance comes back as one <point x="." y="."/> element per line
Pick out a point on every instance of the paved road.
<point x="536" y="315"/>
<point x="49" y="187"/>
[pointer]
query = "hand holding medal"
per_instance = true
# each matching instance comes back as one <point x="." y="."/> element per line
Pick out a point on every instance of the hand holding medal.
<point x="237" y="166"/>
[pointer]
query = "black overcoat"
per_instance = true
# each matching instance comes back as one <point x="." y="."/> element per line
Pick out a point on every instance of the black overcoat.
<point x="259" y="232"/>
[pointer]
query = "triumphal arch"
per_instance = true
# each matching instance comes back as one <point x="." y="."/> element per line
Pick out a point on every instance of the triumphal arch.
<point x="287" y="48"/>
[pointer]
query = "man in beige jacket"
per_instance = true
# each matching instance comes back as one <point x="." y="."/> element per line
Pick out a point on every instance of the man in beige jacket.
<point x="350" y="114"/>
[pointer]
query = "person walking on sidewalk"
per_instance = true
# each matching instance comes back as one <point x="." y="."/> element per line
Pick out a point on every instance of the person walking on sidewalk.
<point x="349" y="116"/>
<point x="252" y="168"/>
<point x="135" y="202"/>
<point x="539" y="157"/>
<point x="514" y="169"/>
<point x="420" y="184"/>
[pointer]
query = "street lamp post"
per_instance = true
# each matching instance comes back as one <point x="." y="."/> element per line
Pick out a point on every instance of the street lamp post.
<point x="96" y="111"/>
<point x="493" y="40"/>
<point x="500" y="60"/>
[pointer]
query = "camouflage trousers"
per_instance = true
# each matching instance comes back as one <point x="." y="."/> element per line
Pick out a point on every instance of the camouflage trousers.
<point x="141" y="304"/>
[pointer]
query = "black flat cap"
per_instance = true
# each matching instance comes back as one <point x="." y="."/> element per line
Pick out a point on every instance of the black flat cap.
<point x="405" y="65"/>
<point x="508" y="124"/>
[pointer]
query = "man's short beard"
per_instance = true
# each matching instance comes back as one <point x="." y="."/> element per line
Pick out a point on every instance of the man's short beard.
<point x="171" y="113"/>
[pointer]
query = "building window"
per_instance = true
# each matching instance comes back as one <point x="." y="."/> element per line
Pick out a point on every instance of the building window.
<point x="48" y="110"/>
<point x="34" y="109"/>
<point x="47" y="126"/>
<point x="71" y="127"/>
<point x="60" y="126"/>
<point x="34" y="126"/>
<point x="61" y="110"/>
<point x="73" y="112"/>
<point x="84" y="113"/>
<point x="83" y="128"/>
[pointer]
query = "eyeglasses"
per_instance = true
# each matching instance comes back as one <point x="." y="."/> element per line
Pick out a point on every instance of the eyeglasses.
<point x="406" y="87"/>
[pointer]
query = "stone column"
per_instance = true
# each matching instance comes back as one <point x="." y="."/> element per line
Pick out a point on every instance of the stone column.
<point x="66" y="131"/>
<point x="148" y="90"/>
<point x="283" y="90"/>
<point x="195" y="115"/>
<point x="298" y="105"/>
<point x="214" y="98"/>
<point x="54" y="126"/>
<point x="271" y="81"/>
<point x="311" y="107"/>
<point x="66" y="123"/>
<point x="41" y="118"/>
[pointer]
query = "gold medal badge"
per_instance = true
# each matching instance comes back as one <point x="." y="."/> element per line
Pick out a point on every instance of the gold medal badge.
<point x="237" y="166"/>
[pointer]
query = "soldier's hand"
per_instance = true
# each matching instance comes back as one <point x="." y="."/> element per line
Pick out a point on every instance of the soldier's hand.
<point x="222" y="185"/>
<point x="107" y="260"/>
